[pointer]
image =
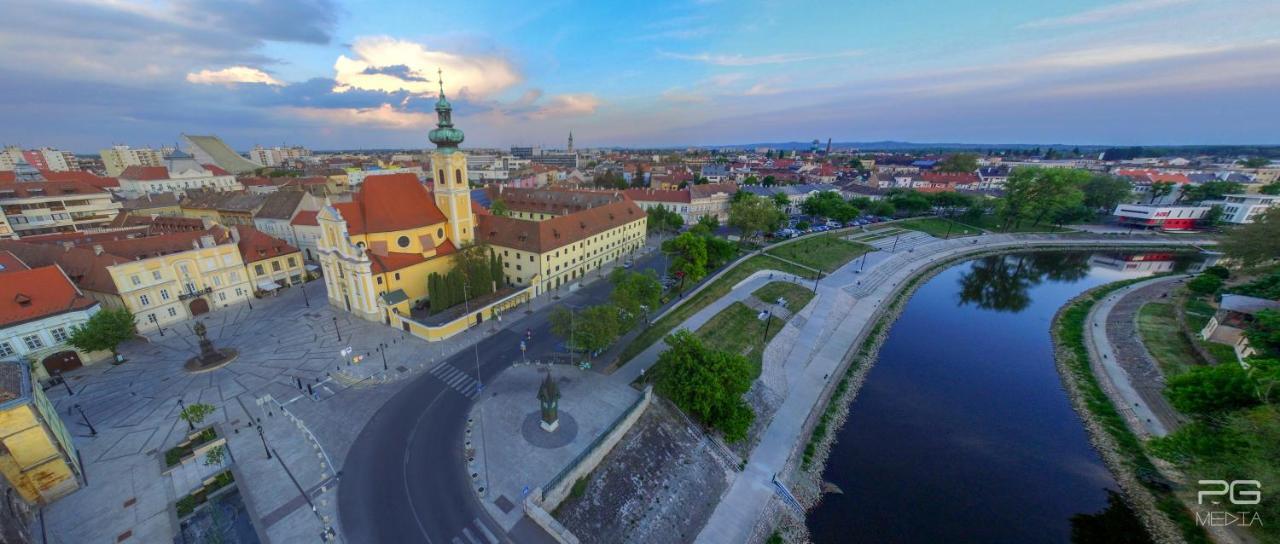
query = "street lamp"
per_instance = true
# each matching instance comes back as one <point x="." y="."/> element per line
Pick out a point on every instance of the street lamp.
<point x="264" y="441"/>
<point x="183" y="407"/>
<point x="303" y="287"/>
<point x="58" y="373"/>
<point x="152" y="318"/>
<point x="92" y="431"/>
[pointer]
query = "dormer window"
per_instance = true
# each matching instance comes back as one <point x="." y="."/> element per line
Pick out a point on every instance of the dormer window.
<point x="22" y="300"/>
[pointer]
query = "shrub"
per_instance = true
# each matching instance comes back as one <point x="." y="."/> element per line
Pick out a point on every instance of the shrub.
<point x="1205" y="284"/>
<point x="1211" y="389"/>
<point x="1219" y="271"/>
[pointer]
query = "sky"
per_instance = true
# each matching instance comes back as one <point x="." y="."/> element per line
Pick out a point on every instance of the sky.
<point x="343" y="74"/>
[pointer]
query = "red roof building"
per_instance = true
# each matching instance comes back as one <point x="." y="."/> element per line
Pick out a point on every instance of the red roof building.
<point x="30" y="294"/>
<point x="389" y="203"/>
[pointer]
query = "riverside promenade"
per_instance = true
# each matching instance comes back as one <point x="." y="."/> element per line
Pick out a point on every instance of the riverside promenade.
<point x="849" y="302"/>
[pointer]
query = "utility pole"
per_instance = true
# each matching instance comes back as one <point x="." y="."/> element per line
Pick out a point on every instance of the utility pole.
<point x="383" y="349"/>
<point x="303" y="287"/>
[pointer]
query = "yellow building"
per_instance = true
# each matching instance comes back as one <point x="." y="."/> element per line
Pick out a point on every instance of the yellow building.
<point x="377" y="250"/>
<point x="271" y="262"/>
<point x="37" y="456"/>
<point x="554" y="237"/>
<point x="162" y="280"/>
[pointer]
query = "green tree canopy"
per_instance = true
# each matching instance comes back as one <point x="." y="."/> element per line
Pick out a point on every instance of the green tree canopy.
<point x="1211" y="389"/>
<point x="662" y="219"/>
<point x="1210" y="190"/>
<point x="1037" y="194"/>
<point x="706" y="384"/>
<point x="1257" y="242"/>
<point x="1160" y="189"/>
<point x="1264" y="332"/>
<point x="1103" y="192"/>
<point x="688" y="253"/>
<point x="591" y="329"/>
<point x="1255" y="162"/>
<point x="1205" y="284"/>
<point x="754" y="215"/>
<point x="959" y="162"/>
<point x="633" y="292"/>
<point x="105" y="330"/>
<point x="499" y="208"/>
<point x="829" y="204"/>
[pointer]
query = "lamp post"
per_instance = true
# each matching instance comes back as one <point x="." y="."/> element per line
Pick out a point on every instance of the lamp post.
<point x="152" y="318"/>
<point x="263" y="436"/>
<point x="64" y="382"/>
<point x="183" y="409"/>
<point x="92" y="431"/>
<point x="863" y="266"/>
<point x="383" y="348"/>
<point x="336" y="330"/>
<point x="475" y="350"/>
<point x="895" y="243"/>
<point x="303" y="288"/>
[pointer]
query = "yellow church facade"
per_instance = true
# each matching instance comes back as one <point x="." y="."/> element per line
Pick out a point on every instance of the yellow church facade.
<point x="378" y="250"/>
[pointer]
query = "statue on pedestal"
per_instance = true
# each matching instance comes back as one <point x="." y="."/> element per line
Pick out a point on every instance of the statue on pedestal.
<point x="549" y="395"/>
<point x="209" y="357"/>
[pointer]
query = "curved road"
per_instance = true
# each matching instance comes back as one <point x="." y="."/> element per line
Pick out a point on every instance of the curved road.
<point x="404" y="479"/>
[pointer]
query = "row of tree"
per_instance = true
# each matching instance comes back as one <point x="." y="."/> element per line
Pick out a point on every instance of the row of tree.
<point x="695" y="252"/>
<point x="594" y="328"/>
<point x="477" y="271"/>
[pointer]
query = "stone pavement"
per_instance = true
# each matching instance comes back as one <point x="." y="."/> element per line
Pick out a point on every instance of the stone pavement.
<point x="134" y="408"/>
<point x="509" y="441"/>
<point x="1130" y="376"/>
<point x="848" y="302"/>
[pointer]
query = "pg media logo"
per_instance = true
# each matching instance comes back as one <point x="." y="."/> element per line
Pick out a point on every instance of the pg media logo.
<point x="1234" y="493"/>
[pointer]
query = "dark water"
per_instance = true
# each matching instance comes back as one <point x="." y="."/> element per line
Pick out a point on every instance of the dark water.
<point x="963" y="431"/>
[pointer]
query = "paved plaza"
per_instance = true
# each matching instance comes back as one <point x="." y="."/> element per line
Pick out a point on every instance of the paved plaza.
<point x="520" y="455"/>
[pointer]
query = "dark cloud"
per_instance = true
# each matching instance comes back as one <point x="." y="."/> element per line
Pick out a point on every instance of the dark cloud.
<point x="307" y="21"/>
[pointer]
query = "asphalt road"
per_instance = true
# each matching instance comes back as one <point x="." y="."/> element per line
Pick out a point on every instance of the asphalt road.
<point x="405" y="479"/>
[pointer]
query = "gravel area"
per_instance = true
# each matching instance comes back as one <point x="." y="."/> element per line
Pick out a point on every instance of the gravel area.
<point x="1144" y="372"/>
<point x="659" y="484"/>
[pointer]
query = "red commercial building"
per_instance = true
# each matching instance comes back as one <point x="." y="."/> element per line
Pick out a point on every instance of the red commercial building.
<point x="1159" y="217"/>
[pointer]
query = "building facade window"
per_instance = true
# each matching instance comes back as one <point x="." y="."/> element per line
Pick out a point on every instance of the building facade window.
<point x="258" y="268"/>
<point x="33" y="342"/>
<point x="144" y="300"/>
<point x="164" y="294"/>
<point x="155" y="274"/>
<point x="173" y="312"/>
<point x="59" y="334"/>
<point x="275" y="266"/>
<point x="6" y="349"/>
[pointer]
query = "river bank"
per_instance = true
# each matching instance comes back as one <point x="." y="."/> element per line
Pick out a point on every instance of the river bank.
<point x="810" y="460"/>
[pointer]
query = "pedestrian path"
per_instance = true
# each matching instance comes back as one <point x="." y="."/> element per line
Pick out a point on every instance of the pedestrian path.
<point x="481" y="534"/>
<point x="457" y="380"/>
<point x="906" y="240"/>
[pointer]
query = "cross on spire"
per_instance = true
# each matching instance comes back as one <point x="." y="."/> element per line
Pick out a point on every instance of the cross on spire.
<point x="440" y="79"/>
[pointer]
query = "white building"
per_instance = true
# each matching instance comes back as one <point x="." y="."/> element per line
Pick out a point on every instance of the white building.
<point x="38" y="310"/>
<point x="136" y="181"/>
<point x="41" y="207"/>
<point x="120" y="157"/>
<point x="276" y="156"/>
<point x="1241" y="209"/>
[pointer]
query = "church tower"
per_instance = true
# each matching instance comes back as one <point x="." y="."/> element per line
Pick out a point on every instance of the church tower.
<point x="452" y="192"/>
<point x="570" y="141"/>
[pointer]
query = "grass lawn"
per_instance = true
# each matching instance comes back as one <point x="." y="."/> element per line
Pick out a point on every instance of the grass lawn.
<point x="1198" y="312"/>
<point x="938" y="227"/>
<point x="796" y="296"/>
<point x="826" y="252"/>
<point x="991" y="223"/>
<point x="660" y="328"/>
<point x="1160" y="333"/>
<point x="736" y="330"/>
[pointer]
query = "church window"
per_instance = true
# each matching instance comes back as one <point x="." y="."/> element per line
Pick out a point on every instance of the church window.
<point x="457" y="175"/>
<point x="440" y="233"/>
<point x="403" y="241"/>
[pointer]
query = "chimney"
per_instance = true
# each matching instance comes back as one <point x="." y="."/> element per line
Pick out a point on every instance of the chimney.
<point x="235" y="234"/>
<point x="207" y="241"/>
<point x="97" y="249"/>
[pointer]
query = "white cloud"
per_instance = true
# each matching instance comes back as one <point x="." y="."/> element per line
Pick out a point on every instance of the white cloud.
<point x="388" y="64"/>
<point x="744" y="60"/>
<point x="1104" y="14"/>
<point x="232" y="75"/>
<point x="567" y="105"/>
<point x="384" y="116"/>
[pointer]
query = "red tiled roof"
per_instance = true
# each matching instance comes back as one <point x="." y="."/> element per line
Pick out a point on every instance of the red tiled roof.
<point x="216" y="170"/>
<point x="305" y="217"/>
<point x="657" y="195"/>
<point x="256" y="245"/>
<point x="381" y="264"/>
<point x="27" y="295"/>
<point x="542" y="236"/>
<point x="38" y="189"/>
<point x="708" y="189"/>
<point x="949" y="177"/>
<point x="86" y="268"/>
<point x="388" y="203"/>
<point x="83" y="177"/>
<point x="145" y="173"/>
<point x="8" y="175"/>
<point x="10" y="262"/>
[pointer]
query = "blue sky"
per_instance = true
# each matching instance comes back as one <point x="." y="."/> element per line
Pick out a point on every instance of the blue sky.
<point x="83" y="74"/>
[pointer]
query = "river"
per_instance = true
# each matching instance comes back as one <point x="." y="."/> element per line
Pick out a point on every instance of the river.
<point x="963" y="432"/>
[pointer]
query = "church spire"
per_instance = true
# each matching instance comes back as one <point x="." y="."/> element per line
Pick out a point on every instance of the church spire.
<point x="571" y="141"/>
<point x="445" y="136"/>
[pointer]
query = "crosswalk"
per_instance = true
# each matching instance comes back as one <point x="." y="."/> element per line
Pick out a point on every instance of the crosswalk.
<point x="470" y="536"/>
<point x="460" y="381"/>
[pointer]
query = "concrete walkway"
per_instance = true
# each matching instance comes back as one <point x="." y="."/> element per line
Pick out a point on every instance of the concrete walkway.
<point x="848" y="303"/>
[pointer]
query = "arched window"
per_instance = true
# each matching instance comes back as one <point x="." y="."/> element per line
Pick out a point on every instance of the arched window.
<point x="440" y="177"/>
<point x="457" y="175"/>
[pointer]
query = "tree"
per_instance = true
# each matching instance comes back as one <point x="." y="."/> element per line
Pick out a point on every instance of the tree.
<point x="1257" y="242"/>
<point x="754" y="215"/>
<point x="960" y="162"/>
<point x="1205" y="284"/>
<point x="1211" y="389"/>
<point x="195" y="414"/>
<point x="1103" y="193"/>
<point x="783" y="202"/>
<point x="214" y="455"/>
<point x="770" y="181"/>
<point x="909" y="202"/>
<point x="1160" y="189"/>
<point x="829" y="204"/>
<point x="751" y="180"/>
<point x="634" y="293"/>
<point x="1213" y="216"/>
<point x="104" y="331"/>
<point x="711" y="222"/>
<point x="499" y="208"/>
<point x="882" y="208"/>
<point x="1255" y="162"/>
<point x="707" y="384"/>
<point x="688" y="253"/>
<point x="1272" y="188"/>
<point x="590" y="330"/>
<point x="1040" y="193"/>
<point x="1264" y="331"/>
<point x="1210" y="190"/>
<point x="662" y="219"/>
